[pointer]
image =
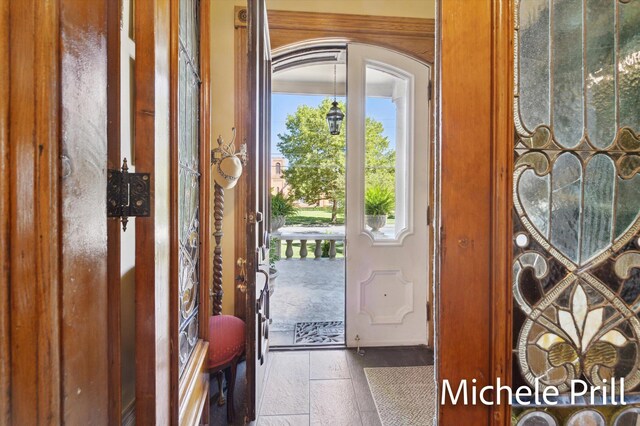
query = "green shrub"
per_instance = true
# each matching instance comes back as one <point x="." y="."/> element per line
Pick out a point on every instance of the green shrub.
<point x="273" y="251"/>
<point x="282" y="206"/>
<point x="378" y="201"/>
<point x="326" y="246"/>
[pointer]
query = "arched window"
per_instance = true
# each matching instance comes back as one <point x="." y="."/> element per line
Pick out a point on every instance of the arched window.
<point x="278" y="169"/>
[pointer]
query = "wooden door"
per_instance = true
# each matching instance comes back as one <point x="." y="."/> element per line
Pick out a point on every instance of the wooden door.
<point x="474" y="134"/>
<point x="53" y="143"/>
<point x="257" y="204"/>
<point x="387" y="290"/>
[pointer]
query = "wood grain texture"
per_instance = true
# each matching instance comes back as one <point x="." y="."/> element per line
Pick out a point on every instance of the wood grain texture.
<point x="84" y="336"/>
<point x="206" y="270"/>
<point x="194" y="387"/>
<point x="113" y="225"/>
<point x="5" y="222"/>
<point x="502" y="202"/>
<point x="174" y="270"/>
<point x="152" y="135"/>
<point x="34" y="135"/>
<point x="218" y="213"/>
<point x="414" y="36"/>
<point x="464" y="320"/>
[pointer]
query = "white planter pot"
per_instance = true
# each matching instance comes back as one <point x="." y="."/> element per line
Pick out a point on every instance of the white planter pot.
<point x="277" y="222"/>
<point x="376" y="222"/>
<point x="273" y="274"/>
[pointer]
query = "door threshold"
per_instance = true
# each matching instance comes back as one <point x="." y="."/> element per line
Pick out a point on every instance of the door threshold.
<point x="285" y="348"/>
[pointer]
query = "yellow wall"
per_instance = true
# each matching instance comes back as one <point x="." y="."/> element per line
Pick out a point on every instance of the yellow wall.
<point x="222" y="75"/>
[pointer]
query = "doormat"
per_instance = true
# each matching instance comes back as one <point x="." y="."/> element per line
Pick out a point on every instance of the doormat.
<point x="403" y="395"/>
<point x="317" y="333"/>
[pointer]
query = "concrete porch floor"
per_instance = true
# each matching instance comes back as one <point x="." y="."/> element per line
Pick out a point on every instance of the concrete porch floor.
<point x="306" y="290"/>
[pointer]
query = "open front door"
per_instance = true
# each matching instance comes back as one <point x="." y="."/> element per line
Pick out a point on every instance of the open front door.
<point x="387" y="267"/>
<point x="257" y="218"/>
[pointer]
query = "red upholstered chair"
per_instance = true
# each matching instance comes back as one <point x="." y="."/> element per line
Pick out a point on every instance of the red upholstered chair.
<point x="227" y="336"/>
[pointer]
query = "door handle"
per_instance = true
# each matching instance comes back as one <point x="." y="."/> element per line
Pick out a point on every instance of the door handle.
<point x="242" y="276"/>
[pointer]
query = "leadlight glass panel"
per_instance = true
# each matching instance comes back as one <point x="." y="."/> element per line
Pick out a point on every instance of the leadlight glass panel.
<point x="576" y="267"/>
<point x="188" y="178"/>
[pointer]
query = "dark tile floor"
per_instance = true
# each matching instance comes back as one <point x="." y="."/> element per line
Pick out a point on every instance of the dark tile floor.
<point x="320" y="386"/>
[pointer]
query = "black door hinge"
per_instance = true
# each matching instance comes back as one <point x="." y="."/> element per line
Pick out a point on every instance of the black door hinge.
<point x="128" y="194"/>
<point x="430" y="89"/>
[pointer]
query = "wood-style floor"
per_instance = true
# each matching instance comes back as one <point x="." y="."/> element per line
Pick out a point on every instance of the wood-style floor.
<point x="321" y="386"/>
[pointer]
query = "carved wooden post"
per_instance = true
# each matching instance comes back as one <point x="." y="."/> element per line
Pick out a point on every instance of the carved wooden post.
<point x="216" y="290"/>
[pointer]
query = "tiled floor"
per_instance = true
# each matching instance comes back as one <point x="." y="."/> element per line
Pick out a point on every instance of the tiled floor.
<point x="321" y="387"/>
<point x="328" y="387"/>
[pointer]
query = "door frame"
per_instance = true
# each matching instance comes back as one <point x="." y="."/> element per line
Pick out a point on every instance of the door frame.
<point x="412" y="36"/>
<point x="158" y="395"/>
<point x="475" y="218"/>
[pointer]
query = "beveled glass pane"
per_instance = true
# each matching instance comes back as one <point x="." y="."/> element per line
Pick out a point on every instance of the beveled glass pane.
<point x="586" y="417"/>
<point x="188" y="179"/>
<point x="600" y="71"/>
<point x="537" y="418"/>
<point x="629" y="417"/>
<point x="629" y="65"/>
<point x="567" y="72"/>
<point x="627" y="204"/>
<point x="534" y="193"/>
<point x="566" y="213"/>
<point x="534" y="63"/>
<point x="599" y="189"/>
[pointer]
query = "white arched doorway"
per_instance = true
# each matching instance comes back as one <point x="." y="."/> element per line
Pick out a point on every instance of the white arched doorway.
<point x="386" y="290"/>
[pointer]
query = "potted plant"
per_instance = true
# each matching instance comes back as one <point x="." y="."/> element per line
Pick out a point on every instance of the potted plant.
<point x="281" y="207"/>
<point x="273" y="257"/>
<point x="378" y="203"/>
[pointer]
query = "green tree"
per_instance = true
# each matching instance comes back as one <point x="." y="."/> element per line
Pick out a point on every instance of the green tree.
<point x="316" y="159"/>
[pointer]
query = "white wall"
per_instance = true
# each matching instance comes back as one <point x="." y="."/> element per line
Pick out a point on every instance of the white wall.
<point x="222" y="75"/>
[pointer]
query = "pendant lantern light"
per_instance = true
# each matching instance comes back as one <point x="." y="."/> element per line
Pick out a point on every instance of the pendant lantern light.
<point x="335" y="115"/>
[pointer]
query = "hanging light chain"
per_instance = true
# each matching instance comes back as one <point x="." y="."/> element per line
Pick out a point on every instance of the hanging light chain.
<point x="334" y="82"/>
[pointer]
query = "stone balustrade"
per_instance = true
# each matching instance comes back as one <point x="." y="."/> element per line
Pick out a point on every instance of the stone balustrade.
<point x="318" y="238"/>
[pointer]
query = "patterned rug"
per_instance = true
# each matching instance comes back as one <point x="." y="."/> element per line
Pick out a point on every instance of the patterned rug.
<point x="316" y="333"/>
<point x="404" y="396"/>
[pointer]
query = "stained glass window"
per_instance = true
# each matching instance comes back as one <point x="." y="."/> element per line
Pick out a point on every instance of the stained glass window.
<point x="576" y="267"/>
<point x="188" y="178"/>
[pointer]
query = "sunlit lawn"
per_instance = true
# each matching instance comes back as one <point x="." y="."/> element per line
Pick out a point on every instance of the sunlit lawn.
<point x="314" y="216"/>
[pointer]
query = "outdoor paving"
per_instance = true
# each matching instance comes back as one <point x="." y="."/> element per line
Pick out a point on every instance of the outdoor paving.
<point x="306" y="290"/>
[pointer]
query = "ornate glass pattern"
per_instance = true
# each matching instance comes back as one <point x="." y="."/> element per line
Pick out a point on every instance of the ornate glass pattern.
<point x="576" y="267"/>
<point x="188" y="178"/>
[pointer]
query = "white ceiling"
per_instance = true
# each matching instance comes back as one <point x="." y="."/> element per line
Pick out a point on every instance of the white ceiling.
<point x="317" y="79"/>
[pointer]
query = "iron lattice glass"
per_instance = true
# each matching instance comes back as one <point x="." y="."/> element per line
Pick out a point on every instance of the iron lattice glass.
<point x="188" y="179"/>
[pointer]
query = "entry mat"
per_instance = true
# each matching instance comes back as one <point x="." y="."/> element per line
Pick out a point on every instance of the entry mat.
<point x="318" y="333"/>
<point x="403" y="395"/>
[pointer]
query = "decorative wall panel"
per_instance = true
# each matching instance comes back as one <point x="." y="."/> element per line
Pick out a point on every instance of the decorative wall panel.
<point x="188" y="178"/>
<point x="576" y="268"/>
